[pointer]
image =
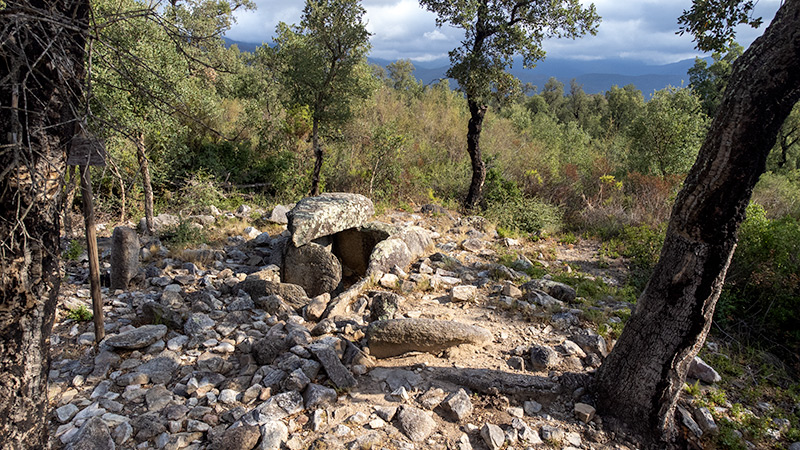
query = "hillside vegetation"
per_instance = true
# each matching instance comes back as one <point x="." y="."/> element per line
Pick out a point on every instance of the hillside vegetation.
<point x="562" y="165"/>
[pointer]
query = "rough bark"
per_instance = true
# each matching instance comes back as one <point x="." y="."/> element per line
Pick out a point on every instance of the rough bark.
<point x="474" y="127"/>
<point x="641" y="379"/>
<point x="147" y="185"/>
<point x="41" y="67"/>
<point x="318" y="155"/>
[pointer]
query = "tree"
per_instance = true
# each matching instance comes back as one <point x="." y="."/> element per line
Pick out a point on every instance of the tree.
<point x="322" y="63"/>
<point x="666" y="136"/>
<point x="40" y="114"/>
<point x="624" y="105"/>
<point x="709" y="82"/>
<point x="147" y="91"/>
<point x="495" y="31"/>
<point x="641" y="379"/>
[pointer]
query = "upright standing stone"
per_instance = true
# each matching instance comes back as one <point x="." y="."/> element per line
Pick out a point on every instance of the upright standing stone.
<point x="124" y="257"/>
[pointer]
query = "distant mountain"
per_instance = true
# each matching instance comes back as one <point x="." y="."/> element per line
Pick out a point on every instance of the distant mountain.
<point x="595" y="76"/>
<point x="243" y="46"/>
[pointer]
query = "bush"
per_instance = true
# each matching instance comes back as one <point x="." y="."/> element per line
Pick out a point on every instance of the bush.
<point x="762" y="292"/>
<point x="508" y="208"/>
<point x="779" y="194"/>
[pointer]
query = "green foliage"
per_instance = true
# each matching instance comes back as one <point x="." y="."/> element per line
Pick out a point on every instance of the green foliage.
<point x="74" y="250"/>
<point x="505" y="204"/>
<point x="642" y="246"/>
<point x="80" y="314"/>
<point x="497" y="30"/>
<point x="184" y="235"/>
<point x="712" y="24"/>
<point x="667" y="136"/>
<point x="779" y="194"/>
<point x="709" y="82"/>
<point x="319" y="59"/>
<point x="763" y="282"/>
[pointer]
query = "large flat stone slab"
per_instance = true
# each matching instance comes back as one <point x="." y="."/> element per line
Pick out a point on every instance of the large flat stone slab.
<point x="394" y="337"/>
<point x="324" y="215"/>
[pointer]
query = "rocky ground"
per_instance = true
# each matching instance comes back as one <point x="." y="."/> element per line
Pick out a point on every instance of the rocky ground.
<point x="202" y="355"/>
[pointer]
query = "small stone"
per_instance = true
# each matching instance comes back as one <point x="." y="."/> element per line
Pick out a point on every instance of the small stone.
<point x="273" y="434"/>
<point x="317" y="395"/>
<point x="377" y="423"/>
<point x="463" y="293"/>
<point x="551" y="433"/>
<point x="137" y="338"/>
<point x="543" y="357"/>
<point x="228" y="396"/>
<point x="511" y="290"/>
<point x="493" y="436"/>
<point x="531" y="407"/>
<point x="66" y="412"/>
<point x="244" y="437"/>
<point x="415" y="423"/>
<point x="515" y="411"/>
<point x="583" y="412"/>
<point x="389" y="281"/>
<point x="459" y="405"/>
<point x="700" y="370"/>
<point x="705" y="420"/>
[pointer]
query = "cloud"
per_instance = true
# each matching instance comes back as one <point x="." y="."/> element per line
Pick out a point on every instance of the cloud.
<point x="632" y="29"/>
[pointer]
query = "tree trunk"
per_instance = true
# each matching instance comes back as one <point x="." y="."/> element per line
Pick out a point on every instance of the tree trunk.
<point x="39" y="99"/>
<point x="640" y="381"/>
<point x="477" y="113"/>
<point x="318" y="154"/>
<point x="147" y="186"/>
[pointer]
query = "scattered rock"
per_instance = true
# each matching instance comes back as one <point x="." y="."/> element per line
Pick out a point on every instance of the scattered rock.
<point x="583" y="412"/>
<point x="493" y="436"/>
<point x="700" y="370"/>
<point x="415" y="423"/>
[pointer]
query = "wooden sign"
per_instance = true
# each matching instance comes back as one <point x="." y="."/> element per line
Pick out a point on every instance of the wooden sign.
<point x="86" y="150"/>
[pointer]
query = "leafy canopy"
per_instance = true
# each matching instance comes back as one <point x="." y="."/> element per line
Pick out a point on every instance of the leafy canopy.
<point x="712" y="22"/>
<point x="322" y="61"/>
<point x="496" y="30"/>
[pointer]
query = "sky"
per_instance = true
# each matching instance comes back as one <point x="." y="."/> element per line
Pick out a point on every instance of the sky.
<point x="641" y="30"/>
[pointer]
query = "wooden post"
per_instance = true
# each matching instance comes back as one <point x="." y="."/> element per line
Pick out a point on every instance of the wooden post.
<point x="91" y="247"/>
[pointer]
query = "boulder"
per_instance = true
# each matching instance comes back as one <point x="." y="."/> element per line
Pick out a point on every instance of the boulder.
<point x="239" y="438"/>
<point x="700" y="370"/>
<point x="395" y="337"/>
<point x="313" y="268"/>
<point x="327" y="214"/>
<point x="124" y="257"/>
<point x="137" y="338"/>
<point x="93" y="435"/>
<point x="294" y="295"/>
<point x="389" y="253"/>
<point x="278" y="214"/>
<point x="555" y="289"/>
<point x="160" y="222"/>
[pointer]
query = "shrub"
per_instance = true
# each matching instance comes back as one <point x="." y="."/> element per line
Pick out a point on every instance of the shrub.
<point x="185" y="234"/>
<point x="779" y="194"/>
<point x="80" y="314"/>
<point x="74" y="250"/>
<point x="505" y="204"/>
<point x="762" y="293"/>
